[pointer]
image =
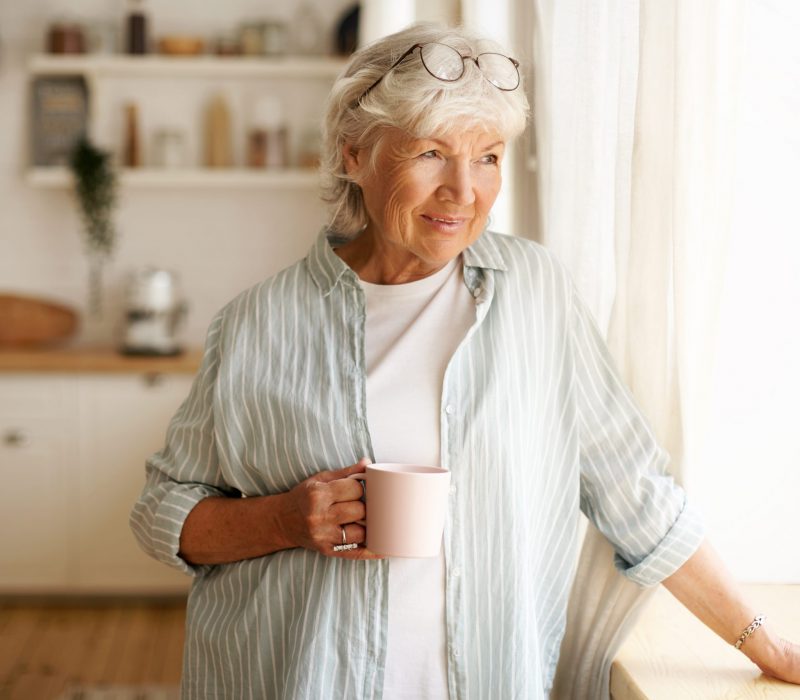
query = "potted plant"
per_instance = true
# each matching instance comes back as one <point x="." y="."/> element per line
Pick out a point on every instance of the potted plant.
<point x="95" y="183"/>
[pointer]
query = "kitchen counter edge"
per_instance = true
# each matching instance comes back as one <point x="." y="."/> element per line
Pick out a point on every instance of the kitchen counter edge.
<point x="99" y="360"/>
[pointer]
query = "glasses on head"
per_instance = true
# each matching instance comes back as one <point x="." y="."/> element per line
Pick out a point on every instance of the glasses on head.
<point x="447" y="64"/>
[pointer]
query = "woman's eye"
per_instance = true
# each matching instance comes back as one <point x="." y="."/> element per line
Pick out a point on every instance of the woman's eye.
<point x="429" y="154"/>
<point x="490" y="159"/>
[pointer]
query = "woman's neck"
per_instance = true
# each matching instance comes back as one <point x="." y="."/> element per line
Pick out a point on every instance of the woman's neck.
<point x="378" y="262"/>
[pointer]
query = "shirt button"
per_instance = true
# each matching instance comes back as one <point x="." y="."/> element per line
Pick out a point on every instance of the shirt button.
<point x="452" y="489"/>
<point x="456" y="653"/>
<point x="449" y="409"/>
<point x="478" y="291"/>
<point x="456" y="572"/>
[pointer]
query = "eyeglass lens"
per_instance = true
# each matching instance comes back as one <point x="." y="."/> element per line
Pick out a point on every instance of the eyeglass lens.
<point x="446" y="63"/>
<point x="442" y="61"/>
<point x="499" y="70"/>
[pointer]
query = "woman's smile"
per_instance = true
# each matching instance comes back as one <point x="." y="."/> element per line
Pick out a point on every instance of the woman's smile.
<point x="445" y="224"/>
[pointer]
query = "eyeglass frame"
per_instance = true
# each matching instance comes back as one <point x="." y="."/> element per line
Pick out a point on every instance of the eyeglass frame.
<point x="464" y="60"/>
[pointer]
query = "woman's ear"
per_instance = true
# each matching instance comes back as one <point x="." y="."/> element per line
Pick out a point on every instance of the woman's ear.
<point x="352" y="161"/>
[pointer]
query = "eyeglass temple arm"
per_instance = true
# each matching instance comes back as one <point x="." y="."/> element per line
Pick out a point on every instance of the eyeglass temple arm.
<point x="390" y="69"/>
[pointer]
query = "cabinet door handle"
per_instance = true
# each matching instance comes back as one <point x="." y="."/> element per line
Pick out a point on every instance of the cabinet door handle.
<point x="14" y="437"/>
<point x="153" y="379"/>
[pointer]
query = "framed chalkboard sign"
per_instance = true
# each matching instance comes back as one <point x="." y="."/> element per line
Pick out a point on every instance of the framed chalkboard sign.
<point x="60" y="118"/>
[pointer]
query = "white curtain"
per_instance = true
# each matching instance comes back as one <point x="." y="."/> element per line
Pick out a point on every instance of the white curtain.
<point x="636" y="109"/>
<point x="747" y="445"/>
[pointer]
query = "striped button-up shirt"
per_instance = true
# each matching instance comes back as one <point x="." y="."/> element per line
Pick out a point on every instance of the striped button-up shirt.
<point x="535" y="427"/>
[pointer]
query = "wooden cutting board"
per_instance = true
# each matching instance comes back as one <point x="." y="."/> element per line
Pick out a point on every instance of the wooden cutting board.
<point x="29" y="321"/>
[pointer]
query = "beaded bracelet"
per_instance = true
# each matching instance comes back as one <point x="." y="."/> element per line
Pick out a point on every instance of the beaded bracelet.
<point x="752" y="627"/>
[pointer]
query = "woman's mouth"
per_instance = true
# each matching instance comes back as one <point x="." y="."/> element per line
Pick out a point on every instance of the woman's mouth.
<point x="445" y="223"/>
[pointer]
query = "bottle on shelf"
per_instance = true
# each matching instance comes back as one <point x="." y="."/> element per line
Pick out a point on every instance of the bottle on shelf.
<point x="131" y="152"/>
<point x="66" y="37"/>
<point x="219" y="152"/>
<point x="136" y="40"/>
<point x="309" y="147"/>
<point x="267" y="139"/>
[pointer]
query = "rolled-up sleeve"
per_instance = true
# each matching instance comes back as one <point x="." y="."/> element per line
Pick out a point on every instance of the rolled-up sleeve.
<point x="626" y="490"/>
<point x="185" y="471"/>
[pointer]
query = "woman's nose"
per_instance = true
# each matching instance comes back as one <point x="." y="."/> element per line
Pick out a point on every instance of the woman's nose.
<point x="458" y="185"/>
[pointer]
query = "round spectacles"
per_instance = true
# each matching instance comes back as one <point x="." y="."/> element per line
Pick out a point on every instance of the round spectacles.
<point x="448" y="64"/>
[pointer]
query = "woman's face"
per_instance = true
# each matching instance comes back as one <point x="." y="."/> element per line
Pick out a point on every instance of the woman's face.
<point x="427" y="199"/>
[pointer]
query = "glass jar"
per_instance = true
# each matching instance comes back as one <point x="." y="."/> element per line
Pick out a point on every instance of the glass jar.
<point x="251" y="39"/>
<point x="169" y="148"/>
<point x="274" y="38"/>
<point x="267" y="137"/>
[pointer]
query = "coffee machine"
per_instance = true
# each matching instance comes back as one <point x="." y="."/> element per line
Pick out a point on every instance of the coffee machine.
<point x="154" y="313"/>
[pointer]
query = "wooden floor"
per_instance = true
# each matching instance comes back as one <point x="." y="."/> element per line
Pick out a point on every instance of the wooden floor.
<point x="47" y="646"/>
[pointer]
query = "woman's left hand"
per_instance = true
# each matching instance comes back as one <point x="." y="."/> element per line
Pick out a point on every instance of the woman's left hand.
<point x="704" y="585"/>
<point x="776" y="657"/>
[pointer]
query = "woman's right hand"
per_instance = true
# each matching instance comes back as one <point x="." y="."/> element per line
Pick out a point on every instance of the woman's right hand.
<point x="316" y="510"/>
<point x="221" y="530"/>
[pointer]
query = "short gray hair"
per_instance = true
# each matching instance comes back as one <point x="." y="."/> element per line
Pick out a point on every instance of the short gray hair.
<point x="411" y="100"/>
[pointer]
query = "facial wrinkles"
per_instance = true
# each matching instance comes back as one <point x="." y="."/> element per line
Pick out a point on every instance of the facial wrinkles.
<point x="397" y="173"/>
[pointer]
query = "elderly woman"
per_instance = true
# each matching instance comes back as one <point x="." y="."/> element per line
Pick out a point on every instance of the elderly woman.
<point x="409" y="333"/>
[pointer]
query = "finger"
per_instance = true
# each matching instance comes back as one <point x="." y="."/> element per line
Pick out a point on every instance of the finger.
<point x="335" y="474"/>
<point x="348" y="512"/>
<point x="344" y="490"/>
<point x="355" y="533"/>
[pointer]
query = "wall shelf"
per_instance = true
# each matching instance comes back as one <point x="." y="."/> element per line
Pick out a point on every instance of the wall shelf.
<point x="155" y="66"/>
<point x="142" y="178"/>
<point x="96" y="68"/>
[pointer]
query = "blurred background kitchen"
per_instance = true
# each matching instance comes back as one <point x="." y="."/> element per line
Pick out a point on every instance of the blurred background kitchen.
<point x="158" y="157"/>
<point x="212" y="116"/>
<point x="199" y="132"/>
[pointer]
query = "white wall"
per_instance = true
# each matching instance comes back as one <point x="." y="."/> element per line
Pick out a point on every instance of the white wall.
<point x="218" y="241"/>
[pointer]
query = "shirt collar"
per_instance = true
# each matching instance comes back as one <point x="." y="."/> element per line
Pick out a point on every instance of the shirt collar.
<point x="485" y="253"/>
<point x="327" y="268"/>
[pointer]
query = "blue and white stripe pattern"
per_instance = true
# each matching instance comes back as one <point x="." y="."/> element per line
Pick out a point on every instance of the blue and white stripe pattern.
<point x="535" y="425"/>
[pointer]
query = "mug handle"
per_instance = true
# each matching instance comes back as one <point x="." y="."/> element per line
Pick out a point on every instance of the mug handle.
<point x="362" y="477"/>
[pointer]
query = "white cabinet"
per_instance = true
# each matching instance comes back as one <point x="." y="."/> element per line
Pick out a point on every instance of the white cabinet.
<point x="72" y="458"/>
<point x="37" y="449"/>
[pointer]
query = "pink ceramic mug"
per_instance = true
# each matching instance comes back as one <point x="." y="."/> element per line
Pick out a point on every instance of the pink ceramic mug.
<point x="406" y="507"/>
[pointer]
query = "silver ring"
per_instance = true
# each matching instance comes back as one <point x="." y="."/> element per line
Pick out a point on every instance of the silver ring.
<point x="344" y="546"/>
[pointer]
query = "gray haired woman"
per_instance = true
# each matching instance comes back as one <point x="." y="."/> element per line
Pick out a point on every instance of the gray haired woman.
<point x="409" y="333"/>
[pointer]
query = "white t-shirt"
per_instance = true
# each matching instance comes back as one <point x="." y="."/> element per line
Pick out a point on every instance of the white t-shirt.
<point x="412" y="331"/>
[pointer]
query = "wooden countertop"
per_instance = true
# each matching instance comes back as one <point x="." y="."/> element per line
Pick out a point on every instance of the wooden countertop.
<point x="86" y="360"/>
<point x="670" y="655"/>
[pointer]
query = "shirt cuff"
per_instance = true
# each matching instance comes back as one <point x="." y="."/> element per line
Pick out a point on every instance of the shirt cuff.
<point x="168" y="522"/>
<point x="679" y="544"/>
